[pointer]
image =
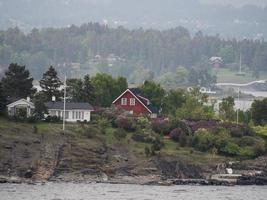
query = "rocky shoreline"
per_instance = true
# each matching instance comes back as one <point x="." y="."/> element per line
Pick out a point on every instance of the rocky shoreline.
<point x="258" y="180"/>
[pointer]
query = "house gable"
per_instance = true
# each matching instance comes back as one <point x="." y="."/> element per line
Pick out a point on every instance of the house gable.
<point x="21" y="102"/>
<point x="139" y="106"/>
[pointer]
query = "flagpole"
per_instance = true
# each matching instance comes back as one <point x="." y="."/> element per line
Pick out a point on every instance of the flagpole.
<point x="64" y="111"/>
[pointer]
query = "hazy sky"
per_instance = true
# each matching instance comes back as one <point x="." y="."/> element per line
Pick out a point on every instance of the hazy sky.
<point x="237" y="2"/>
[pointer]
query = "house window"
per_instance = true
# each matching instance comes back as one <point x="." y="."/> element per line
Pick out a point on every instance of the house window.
<point x="82" y="115"/>
<point x="73" y="115"/>
<point x="66" y="114"/>
<point x="124" y="101"/>
<point x="132" y="101"/>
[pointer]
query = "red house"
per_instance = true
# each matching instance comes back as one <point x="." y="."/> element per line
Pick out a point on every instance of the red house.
<point x="131" y="100"/>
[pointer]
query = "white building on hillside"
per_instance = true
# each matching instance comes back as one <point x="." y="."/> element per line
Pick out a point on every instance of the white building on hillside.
<point x="74" y="111"/>
<point x="21" y="107"/>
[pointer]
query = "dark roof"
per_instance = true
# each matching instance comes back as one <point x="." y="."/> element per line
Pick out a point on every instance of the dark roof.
<point x="69" y="106"/>
<point x="137" y="92"/>
<point x="153" y="109"/>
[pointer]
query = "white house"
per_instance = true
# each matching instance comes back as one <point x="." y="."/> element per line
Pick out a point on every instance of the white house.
<point x="74" y="111"/>
<point x="21" y="107"/>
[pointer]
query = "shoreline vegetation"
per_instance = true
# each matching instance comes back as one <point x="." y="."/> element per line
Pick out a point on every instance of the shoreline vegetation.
<point x="39" y="152"/>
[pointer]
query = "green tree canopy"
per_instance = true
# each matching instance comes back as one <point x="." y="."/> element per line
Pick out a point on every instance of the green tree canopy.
<point x="154" y="92"/>
<point x="81" y="90"/>
<point x="194" y="108"/>
<point x="2" y="100"/>
<point x="173" y="100"/>
<point x="226" y="109"/>
<point x="259" y="112"/>
<point x="50" y="84"/>
<point x="17" y="82"/>
<point x="107" y="88"/>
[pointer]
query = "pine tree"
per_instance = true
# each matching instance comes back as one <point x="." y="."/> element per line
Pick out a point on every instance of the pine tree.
<point x="2" y="100"/>
<point x="17" y="82"/>
<point x="50" y="84"/>
<point x="89" y="90"/>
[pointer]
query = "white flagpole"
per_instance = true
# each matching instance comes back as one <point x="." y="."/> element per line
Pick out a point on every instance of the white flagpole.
<point x="238" y="103"/>
<point x="64" y="111"/>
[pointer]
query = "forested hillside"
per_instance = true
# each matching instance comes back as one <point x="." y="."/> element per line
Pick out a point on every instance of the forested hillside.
<point x="137" y="54"/>
<point x="228" y="18"/>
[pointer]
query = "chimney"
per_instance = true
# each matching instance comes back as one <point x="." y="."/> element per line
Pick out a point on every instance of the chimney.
<point x="53" y="98"/>
<point x="28" y="99"/>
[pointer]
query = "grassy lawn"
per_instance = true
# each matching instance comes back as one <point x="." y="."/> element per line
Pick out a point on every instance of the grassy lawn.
<point x="228" y="76"/>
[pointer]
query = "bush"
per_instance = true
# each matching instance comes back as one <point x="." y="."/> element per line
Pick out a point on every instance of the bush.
<point x="175" y="134"/>
<point x="231" y="149"/>
<point x="259" y="147"/>
<point x="89" y="132"/>
<point x="142" y="137"/>
<point x="120" y="134"/>
<point x="126" y="123"/>
<point x="147" y="152"/>
<point x="261" y="131"/>
<point x="195" y="125"/>
<point x="53" y="119"/>
<point x="179" y="135"/>
<point x="143" y="122"/>
<point x="139" y="137"/>
<point x="161" y="126"/>
<point x="238" y="130"/>
<point x="204" y="140"/>
<point x="157" y="144"/>
<point x="183" y="140"/>
<point x="32" y="119"/>
<point x="221" y="139"/>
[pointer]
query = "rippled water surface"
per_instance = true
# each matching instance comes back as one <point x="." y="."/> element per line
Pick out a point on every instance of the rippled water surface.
<point x="69" y="191"/>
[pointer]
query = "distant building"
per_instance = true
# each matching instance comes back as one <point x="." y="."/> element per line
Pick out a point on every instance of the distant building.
<point x="74" y="111"/>
<point x="216" y="62"/>
<point x="21" y="107"/>
<point x="132" y="100"/>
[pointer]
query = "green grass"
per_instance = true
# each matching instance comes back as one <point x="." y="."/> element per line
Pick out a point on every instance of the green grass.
<point x="189" y="154"/>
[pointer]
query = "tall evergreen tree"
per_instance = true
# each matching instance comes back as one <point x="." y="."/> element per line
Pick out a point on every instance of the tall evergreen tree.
<point x="50" y="84"/>
<point x="81" y="90"/>
<point x="89" y="90"/>
<point x="2" y="100"/>
<point x="17" y="82"/>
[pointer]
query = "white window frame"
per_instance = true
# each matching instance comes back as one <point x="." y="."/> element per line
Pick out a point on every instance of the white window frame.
<point x="132" y="101"/>
<point x="124" y="101"/>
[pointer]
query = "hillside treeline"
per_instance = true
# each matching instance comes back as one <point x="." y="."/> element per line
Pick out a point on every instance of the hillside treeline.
<point x="137" y="54"/>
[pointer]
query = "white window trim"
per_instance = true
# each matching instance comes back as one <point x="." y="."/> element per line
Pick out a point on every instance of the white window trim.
<point x="132" y="101"/>
<point x="124" y="101"/>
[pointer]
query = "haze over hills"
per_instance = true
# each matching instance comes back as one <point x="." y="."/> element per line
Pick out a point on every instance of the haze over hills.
<point x="240" y="19"/>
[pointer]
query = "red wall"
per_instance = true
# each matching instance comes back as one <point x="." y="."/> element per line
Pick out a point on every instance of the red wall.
<point x="137" y="109"/>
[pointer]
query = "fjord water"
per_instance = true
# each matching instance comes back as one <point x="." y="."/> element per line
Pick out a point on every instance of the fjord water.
<point x="70" y="191"/>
